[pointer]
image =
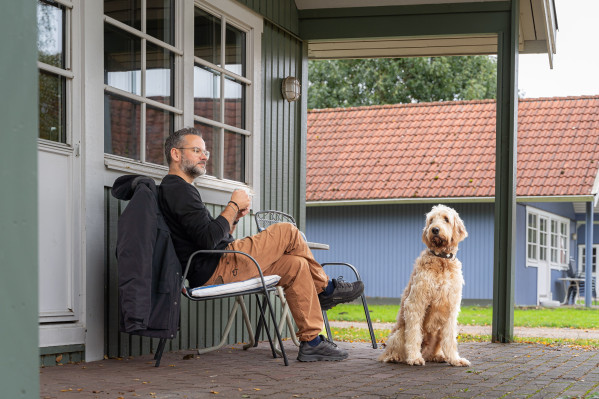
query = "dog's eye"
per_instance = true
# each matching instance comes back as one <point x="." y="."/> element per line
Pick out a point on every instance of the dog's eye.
<point x="446" y="219"/>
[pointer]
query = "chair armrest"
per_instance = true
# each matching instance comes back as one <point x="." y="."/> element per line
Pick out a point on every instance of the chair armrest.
<point x="218" y="251"/>
<point x="343" y="264"/>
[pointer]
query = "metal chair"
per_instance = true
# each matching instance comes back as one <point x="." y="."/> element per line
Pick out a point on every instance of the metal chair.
<point x="581" y="291"/>
<point x="233" y="290"/>
<point x="267" y="218"/>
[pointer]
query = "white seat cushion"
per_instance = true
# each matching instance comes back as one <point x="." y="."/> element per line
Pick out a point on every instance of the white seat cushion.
<point x="232" y="288"/>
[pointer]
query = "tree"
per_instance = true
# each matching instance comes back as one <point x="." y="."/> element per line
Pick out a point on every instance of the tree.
<point x="349" y="83"/>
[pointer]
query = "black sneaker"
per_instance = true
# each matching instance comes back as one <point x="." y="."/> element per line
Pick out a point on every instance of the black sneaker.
<point x="343" y="292"/>
<point x="325" y="350"/>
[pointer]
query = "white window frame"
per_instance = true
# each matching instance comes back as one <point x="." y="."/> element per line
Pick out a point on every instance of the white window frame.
<point x="550" y="248"/>
<point x="582" y="260"/>
<point x="140" y="166"/>
<point x="214" y="190"/>
<point x="68" y="73"/>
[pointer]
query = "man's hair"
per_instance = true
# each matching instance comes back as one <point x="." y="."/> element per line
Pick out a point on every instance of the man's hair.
<point x="176" y="139"/>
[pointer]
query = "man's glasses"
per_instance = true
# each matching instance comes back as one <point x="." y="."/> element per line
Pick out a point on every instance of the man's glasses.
<point x="196" y="150"/>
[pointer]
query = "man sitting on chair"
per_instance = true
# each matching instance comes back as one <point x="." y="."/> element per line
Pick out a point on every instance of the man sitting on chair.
<point x="279" y="249"/>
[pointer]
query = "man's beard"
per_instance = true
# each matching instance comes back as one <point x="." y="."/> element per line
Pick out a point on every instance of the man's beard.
<point x="192" y="169"/>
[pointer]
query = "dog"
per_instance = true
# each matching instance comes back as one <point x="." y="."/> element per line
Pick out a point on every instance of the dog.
<point x="426" y="327"/>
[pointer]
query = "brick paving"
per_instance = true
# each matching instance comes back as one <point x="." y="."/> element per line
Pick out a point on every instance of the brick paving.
<point x="497" y="371"/>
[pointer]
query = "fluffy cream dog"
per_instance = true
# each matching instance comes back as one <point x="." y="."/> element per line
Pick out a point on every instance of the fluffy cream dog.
<point x="426" y="327"/>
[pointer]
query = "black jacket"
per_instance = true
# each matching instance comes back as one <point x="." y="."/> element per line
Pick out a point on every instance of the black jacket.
<point x="149" y="272"/>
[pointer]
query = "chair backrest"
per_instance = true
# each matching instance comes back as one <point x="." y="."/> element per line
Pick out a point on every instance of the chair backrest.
<point x="267" y="218"/>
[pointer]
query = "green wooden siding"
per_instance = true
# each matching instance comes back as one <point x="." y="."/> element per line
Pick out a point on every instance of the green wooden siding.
<point x="283" y="13"/>
<point x="201" y="322"/>
<point x="282" y="139"/>
<point x="283" y="179"/>
<point x="19" y="375"/>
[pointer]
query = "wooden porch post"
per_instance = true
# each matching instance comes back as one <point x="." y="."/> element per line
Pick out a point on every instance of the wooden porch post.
<point x="589" y="256"/>
<point x="505" y="180"/>
<point x="19" y="373"/>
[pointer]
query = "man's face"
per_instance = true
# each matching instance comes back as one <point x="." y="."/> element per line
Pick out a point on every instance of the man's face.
<point x="193" y="157"/>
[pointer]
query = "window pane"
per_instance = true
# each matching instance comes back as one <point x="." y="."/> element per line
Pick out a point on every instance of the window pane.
<point x="234" y="103"/>
<point x="206" y="93"/>
<point x="52" y="107"/>
<point x="235" y="50"/>
<point x="122" y="60"/>
<point x="234" y="160"/>
<point x="211" y="136"/>
<point x="207" y="37"/>
<point x="159" y="125"/>
<point x="160" y="20"/>
<point x="50" y="33"/>
<point x="160" y="64"/>
<point x="121" y="126"/>
<point x="125" y="11"/>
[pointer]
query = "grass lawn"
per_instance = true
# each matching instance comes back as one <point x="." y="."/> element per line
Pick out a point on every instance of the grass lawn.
<point x="581" y="318"/>
<point x="578" y="317"/>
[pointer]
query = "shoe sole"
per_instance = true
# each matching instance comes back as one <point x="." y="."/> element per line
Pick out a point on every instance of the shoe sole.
<point x="318" y="358"/>
<point x="332" y="302"/>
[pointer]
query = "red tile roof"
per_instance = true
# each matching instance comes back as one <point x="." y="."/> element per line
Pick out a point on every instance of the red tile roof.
<point x="447" y="150"/>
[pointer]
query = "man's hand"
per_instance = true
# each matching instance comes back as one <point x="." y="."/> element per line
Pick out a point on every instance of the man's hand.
<point x="242" y="199"/>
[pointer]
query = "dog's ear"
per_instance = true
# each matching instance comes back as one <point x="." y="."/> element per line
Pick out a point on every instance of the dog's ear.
<point x="459" y="230"/>
<point x="424" y="235"/>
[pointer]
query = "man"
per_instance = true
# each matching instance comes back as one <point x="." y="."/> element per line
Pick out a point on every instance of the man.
<point x="279" y="249"/>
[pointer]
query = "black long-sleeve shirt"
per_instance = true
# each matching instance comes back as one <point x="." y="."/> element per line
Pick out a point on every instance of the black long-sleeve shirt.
<point x="192" y="227"/>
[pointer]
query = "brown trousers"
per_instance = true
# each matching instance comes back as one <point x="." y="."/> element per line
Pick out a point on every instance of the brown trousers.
<point x="280" y="250"/>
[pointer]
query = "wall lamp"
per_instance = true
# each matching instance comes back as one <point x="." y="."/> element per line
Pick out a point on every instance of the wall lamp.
<point x="291" y="89"/>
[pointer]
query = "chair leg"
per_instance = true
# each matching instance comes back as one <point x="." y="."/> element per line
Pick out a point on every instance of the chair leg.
<point x="260" y="324"/>
<point x="274" y="320"/>
<point x="262" y="307"/>
<point x="286" y="316"/>
<point x="159" y="350"/>
<point x="369" y="321"/>
<point x="326" y="325"/>
<point x="225" y="333"/>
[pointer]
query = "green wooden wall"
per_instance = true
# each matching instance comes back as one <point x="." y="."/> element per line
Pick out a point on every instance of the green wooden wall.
<point x="283" y="144"/>
<point x="19" y="375"/>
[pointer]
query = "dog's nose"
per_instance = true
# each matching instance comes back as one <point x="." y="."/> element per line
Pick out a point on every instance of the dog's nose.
<point x="435" y="230"/>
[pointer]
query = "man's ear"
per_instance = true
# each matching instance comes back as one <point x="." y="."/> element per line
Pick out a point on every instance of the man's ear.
<point x="175" y="155"/>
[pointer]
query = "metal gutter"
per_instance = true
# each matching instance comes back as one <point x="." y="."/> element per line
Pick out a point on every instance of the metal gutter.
<point x="399" y="201"/>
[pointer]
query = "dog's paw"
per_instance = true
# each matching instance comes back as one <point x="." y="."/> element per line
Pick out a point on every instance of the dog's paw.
<point x="417" y="361"/>
<point x="438" y="358"/>
<point x="459" y="362"/>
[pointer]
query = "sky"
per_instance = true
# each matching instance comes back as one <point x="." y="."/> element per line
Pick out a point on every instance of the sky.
<point x="576" y="63"/>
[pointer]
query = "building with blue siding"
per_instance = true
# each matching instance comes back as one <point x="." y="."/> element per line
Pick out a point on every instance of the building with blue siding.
<point x="368" y="201"/>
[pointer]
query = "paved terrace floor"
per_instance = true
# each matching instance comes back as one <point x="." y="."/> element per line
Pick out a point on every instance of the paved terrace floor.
<point x="497" y="371"/>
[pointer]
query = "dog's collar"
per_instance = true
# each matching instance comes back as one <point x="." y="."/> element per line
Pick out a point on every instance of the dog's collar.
<point x="444" y="255"/>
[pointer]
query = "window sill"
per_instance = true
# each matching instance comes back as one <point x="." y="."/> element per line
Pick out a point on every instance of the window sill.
<point x="213" y="190"/>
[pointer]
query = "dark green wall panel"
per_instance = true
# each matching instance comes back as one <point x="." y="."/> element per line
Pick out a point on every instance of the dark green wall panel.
<point x="281" y="173"/>
<point x="283" y="13"/>
<point x="281" y="57"/>
<point x="201" y="322"/>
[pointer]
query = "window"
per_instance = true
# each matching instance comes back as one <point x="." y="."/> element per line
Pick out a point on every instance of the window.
<point x="208" y="78"/>
<point x="139" y="78"/>
<point x="543" y="239"/>
<point x="547" y="234"/>
<point x="220" y="92"/>
<point x="532" y="236"/>
<point x="582" y="262"/>
<point x="55" y="72"/>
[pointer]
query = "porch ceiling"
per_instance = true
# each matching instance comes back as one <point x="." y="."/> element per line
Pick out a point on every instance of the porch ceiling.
<point x="538" y="25"/>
